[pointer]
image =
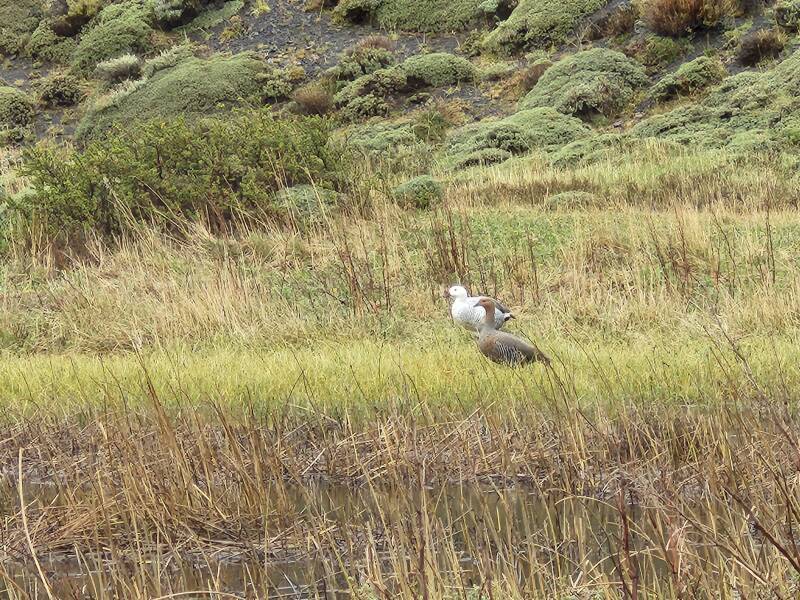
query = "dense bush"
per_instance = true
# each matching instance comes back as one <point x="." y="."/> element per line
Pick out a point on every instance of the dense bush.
<point x="18" y="19"/>
<point x="16" y="109"/>
<point x="118" y="29"/>
<point x="745" y="102"/>
<point x="304" y="203"/>
<point x="437" y="69"/>
<point x="539" y="24"/>
<point x="214" y="169"/>
<point x="690" y="78"/>
<point x="45" y="44"/>
<point x="420" y="192"/>
<point x="192" y="87"/>
<point x="538" y="128"/>
<point x="115" y="70"/>
<point x="589" y="83"/>
<point x="787" y="14"/>
<point x="58" y="90"/>
<point x="364" y="58"/>
<point x="412" y="15"/>
<point x="679" y="17"/>
<point x="375" y="139"/>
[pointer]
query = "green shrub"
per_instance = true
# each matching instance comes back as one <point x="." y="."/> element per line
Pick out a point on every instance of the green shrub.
<point x="16" y="109"/>
<point x="538" y="128"/>
<point x="212" y="18"/>
<point x="690" y="78"/>
<point x="787" y="14"/>
<point x="305" y="203"/>
<point x="18" y="19"/>
<point x="375" y="139"/>
<point x="412" y="15"/>
<point x="119" y="69"/>
<point x="193" y="87"/>
<point x="58" y="90"/>
<point x="361" y="60"/>
<point x="437" y="69"/>
<point x="167" y="59"/>
<point x="765" y="101"/>
<point x="118" y="29"/>
<point x="420" y="192"/>
<point x="657" y="52"/>
<point x="587" y="150"/>
<point x="218" y="170"/>
<point x="587" y="84"/>
<point x="539" y="24"/>
<point x="45" y="44"/>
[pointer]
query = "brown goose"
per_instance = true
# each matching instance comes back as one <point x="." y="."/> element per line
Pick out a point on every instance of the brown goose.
<point x="504" y="348"/>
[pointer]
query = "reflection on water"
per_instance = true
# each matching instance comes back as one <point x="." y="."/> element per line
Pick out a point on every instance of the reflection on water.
<point x="461" y="532"/>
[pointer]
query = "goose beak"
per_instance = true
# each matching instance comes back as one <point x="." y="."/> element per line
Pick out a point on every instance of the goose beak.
<point x="477" y="305"/>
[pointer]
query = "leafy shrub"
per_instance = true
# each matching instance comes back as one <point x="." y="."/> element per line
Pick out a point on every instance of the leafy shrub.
<point x="437" y="69"/>
<point x="690" y="78"/>
<point x="167" y="59"/>
<point x="539" y="24"/>
<point x="745" y="102"/>
<point x="313" y="99"/>
<point x="760" y="45"/>
<point x="16" y="114"/>
<point x="787" y="14"/>
<point x="362" y="60"/>
<point x="16" y="109"/>
<point x="679" y="17"/>
<point x="411" y="15"/>
<point x="363" y="107"/>
<point x="656" y="52"/>
<point x="587" y="150"/>
<point x="211" y="18"/>
<point x="375" y="139"/>
<point x="58" y="90"/>
<point x="119" y="69"/>
<point x="218" y="170"/>
<point x="118" y="29"/>
<point x="538" y="128"/>
<point x="589" y="83"/>
<point x="193" y="87"/>
<point x="18" y="19"/>
<point x="45" y="44"/>
<point x="420" y="192"/>
<point x="305" y="203"/>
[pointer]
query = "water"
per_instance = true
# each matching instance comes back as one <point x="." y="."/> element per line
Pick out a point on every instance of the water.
<point x="459" y="532"/>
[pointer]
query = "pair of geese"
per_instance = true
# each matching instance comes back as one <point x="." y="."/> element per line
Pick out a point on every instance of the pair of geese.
<point x="486" y="316"/>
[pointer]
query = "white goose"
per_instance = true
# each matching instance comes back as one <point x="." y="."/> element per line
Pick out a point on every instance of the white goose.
<point x="468" y="314"/>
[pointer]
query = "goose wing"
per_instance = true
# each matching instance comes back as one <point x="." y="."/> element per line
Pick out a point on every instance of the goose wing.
<point x="508" y="349"/>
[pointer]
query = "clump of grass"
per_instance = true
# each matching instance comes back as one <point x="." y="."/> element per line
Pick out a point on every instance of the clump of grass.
<point x="679" y="17"/>
<point x="760" y="45"/>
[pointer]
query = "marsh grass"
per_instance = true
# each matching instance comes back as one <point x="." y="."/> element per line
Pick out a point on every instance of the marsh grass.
<point x="177" y="406"/>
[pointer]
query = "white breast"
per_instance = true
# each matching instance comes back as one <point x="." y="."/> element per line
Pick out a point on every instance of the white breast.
<point x="466" y="314"/>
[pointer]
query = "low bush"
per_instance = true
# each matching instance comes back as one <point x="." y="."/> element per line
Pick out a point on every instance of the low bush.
<point x="437" y="69"/>
<point x="217" y="170"/>
<point x="539" y="24"/>
<point x="18" y="19"/>
<point x="377" y="139"/>
<point x="118" y="29"/>
<point x="679" y="17"/>
<point x="305" y="203"/>
<point x="412" y="15"/>
<point x="766" y="101"/>
<point x="690" y="78"/>
<point x="656" y="52"/>
<point x="167" y="59"/>
<point x="787" y="14"/>
<point x="366" y="57"/>
<point x="119" y="69"/>
<point x="16" y="108"/>
<point x="543" y="128"/>
<point x="59" y="90"/>
<point x="191" y="88"/>
<point x="44" y="44"/>
<point x="760" y="45"/>
<point x="421" y="192"/>
<point x="587" y="84"/>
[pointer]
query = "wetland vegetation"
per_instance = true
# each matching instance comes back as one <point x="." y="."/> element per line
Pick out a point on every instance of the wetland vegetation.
<point x="226" y="366"/>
